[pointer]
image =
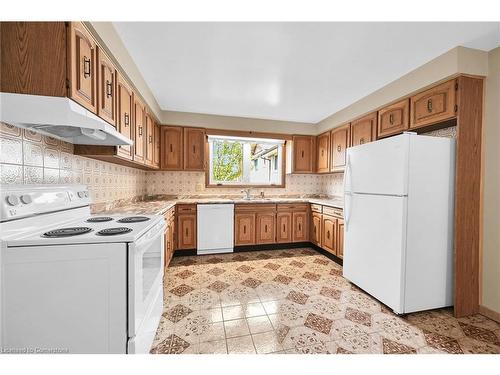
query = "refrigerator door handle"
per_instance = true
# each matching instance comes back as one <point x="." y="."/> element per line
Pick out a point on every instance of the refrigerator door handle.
<point x="347" y="210"/>
<point x="347" y="172"/>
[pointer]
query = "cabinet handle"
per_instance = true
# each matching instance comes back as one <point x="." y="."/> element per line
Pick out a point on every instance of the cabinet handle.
<point x="244" y="229"/>
<point x="429" y="105"/>
<point x="86" y="66"/>
<point x="361" y="140"/>
<point x="391" y="119"/>
<point x="322" y="152"/>
<point x="284" y="230"/>
<point x="127" y="119"/>
<point x="150" y="139"/>
<point x="265" y="228"/>
<point x="187" y="232"/>
<point x="339" y="148"/>
<point x="302" y="154"/>
<point x="109" y="89"/>
<point x="140" y="130"/>
<point x="299" y="227"/>
<point x="171" y="147"/>
<point x="194" y="149"/>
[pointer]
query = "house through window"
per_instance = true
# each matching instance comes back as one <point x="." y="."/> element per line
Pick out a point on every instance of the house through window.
<point x="245" y="161"/>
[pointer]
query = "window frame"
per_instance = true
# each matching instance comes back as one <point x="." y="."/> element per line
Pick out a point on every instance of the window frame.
<point x="208" y="184"/>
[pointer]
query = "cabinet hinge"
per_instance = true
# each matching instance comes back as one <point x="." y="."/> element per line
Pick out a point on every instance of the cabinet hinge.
<point x="456" y="85"/>
<point x="456" y="108"/>
<point x="68" y="84"/>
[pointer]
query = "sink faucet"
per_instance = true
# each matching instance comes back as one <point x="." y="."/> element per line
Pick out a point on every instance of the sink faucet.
<point x="247" y="192"/>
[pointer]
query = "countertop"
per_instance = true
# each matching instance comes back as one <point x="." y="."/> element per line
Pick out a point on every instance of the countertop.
<point x="160" y="206"/>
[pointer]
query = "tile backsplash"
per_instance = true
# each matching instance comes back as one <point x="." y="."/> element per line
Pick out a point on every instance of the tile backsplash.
<point x="27" y="157"/>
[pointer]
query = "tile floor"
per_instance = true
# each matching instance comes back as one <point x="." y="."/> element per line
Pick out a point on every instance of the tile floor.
<point x="296" y="301"/>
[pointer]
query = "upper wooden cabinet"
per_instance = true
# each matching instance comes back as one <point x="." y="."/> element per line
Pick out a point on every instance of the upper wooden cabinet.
<point x="156" y="157"/>
<point x="150" y="133"/>
<point x="125" y="101"/>
<point x="340" y="138"/>
<point x="106" y="88"/>
<point x="303" y="154"/>
<point x="363" y="130"/>
<point x="82" y="66"/>
<point x="171" y="148"/>
<point x="139" y="131"/>
<point x="323" y="153"/>
<point x="433" y="105"/>
<point x="393" y="119"/>
<point x="194" y="149"/>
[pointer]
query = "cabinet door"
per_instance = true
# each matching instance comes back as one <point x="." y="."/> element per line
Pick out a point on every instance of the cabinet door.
<point x="284" y="227"/>
<point x="244" y="228"/>
<point x="328" y="239"/>
<point x="106" y="88"/>
<point x="149" y="139"/>
<point x="82" y="66"/>
<point x="316" y="228"/>
<point x="186" y="225"/>
<point x="194" y="149"/>
<point x="156" y="157"/>
<point x="393" y="119"/>
<point x="434" y="105"/>
<point x="265" y="232"/>
<point x="340" y="238"/>
<point x="340" y="141"/>
<point x="125" y="102"/>
<point x="323" y="154"/>
<point x="140" y="131"/>
<point x="303" y="151"/>
<point x="171" y="148"/>
<point x="363" y="130"/>
<point x="300" y="227"/>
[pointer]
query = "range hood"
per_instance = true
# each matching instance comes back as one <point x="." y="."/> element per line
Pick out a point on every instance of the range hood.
<point x="60" y="118"/>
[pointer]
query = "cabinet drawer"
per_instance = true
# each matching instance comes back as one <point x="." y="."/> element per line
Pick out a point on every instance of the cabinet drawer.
<point x="434" y="105"/>
<point x="316" y="208"/>
<point x="186" y="208"/>
<point x="332" y="211"/>
<point x="243" y="207"/>
<point x="292" y="207"/>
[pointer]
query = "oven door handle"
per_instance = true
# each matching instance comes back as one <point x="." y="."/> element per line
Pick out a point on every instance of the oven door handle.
<point x="152" y="235"/>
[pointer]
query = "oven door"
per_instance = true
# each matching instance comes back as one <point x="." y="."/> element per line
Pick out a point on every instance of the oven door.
<point x="145" y="281"/>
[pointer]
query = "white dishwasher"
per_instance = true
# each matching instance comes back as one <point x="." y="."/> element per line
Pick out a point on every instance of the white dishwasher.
<point x="215" y="228"/>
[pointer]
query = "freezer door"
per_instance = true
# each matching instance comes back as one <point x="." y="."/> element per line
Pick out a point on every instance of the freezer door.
<point x="379" y="167"/>
<point x="374" y="242"/>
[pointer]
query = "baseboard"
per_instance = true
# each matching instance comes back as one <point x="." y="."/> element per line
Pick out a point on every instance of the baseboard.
<point x="489" y="313"/>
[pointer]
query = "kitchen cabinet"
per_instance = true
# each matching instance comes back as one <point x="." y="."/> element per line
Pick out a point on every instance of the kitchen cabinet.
<point x="149" y="139"/>
<point x="302" y="154"/>
<point x="244" y="228"/>
<point x="393" y="119"/>
<point x="316" y="228"/>
<point x="186" y="226"/>
<point x="433" y="105"/>
<point x="171" y="148"/>
<point x="363" y="130"/>
<point x="125" y="100"/>
<point x="328" y="230"/>
<point x="106" y="88"/>
<point x="300" y="226"/>
<point x="194" y="149"/>
<point x="340" y="238"/>
<point x="323" y="153"/>
<point x="139" y="131"/>
<point x="265" y="227"/>
<point x="169" y="235"/>
<point x="284" y="227"/>
<point x="339" y="142"/>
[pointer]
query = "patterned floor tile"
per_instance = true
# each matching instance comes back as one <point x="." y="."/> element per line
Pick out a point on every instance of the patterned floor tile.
<point x="177" y="313"/>
<point x="297" y="297"/>
<point x="181" y="290"/>
<point x="358" y="316"/>
<point x="251" y="282"/>
<point x="318" y="323"/>
<point x="173" y="344"/>
<point x="216" y="271"/>
<point x="311" y="276"/>
<point x="218" y="286"/>
<point x="240" y="345"/>
<point x="236" y="328"/>
<point x="266" y="342"/>
<point x="259" y="324"/>
<point x="283" y="279"/>
<point x="213" y="347"/>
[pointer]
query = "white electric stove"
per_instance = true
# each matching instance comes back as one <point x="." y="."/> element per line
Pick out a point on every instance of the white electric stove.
<point x="75" y="282"/>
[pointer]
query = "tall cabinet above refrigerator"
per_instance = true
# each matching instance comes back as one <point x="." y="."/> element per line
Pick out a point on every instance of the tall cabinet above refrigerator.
<point x="399" y="199"/>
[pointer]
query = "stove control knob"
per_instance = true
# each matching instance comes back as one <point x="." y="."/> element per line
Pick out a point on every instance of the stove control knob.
<point x="12" y="200"/>
<point x="81" y="194"/>
<point x="26" y="199"/>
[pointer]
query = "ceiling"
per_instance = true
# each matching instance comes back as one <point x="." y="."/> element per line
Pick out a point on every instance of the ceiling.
<point x="300" y="72"/>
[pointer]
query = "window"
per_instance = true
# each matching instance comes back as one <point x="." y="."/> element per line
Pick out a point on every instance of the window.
<point x="245" y="161"/>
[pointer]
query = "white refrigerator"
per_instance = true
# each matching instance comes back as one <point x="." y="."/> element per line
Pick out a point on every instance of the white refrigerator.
<point x="398" y="208"/>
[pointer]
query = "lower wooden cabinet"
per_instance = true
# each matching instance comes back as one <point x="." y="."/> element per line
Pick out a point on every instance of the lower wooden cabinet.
<point x="169" y="236"/>
<point x="265" y="227"/>
<point x="316" y="228"/>
<point x="340" y="238"/>
<point x="244" y="228"/>
<point x="284" y="227"/>
<point x="328" y="238"/>
<point x="300" y="227"/>
<point x="186" y="227"/>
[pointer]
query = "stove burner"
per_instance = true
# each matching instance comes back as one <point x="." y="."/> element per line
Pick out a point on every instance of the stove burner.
<point x="99" y="219"/>
<point x="133" y="219"/>
<point x="114" y="231"/>
<point x="67" y="232"/>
